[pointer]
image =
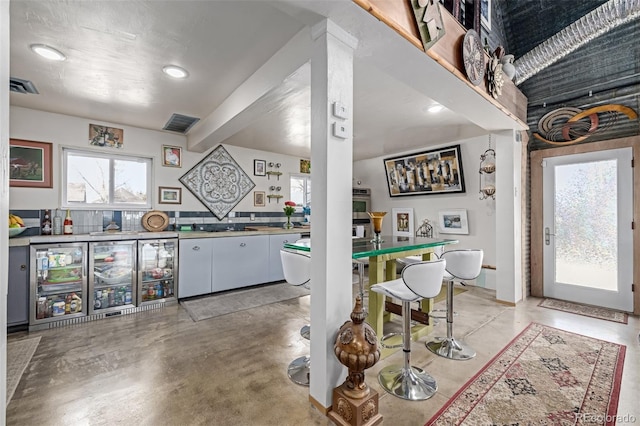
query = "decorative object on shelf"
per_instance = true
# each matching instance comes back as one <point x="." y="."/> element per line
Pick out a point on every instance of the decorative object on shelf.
<point x="259" y="168"/>
<point x="30" y="164"/>
<point x="258" y="199"/>
<point x="305" y="166"/>
<point x="580" y="124"/>
<point x="106" y="136"/>
<point x="429" y="21"/>
<point x="307" y="213"/>
<point x="276" y="197"/>
<point x="356" y="347"/>
<point x="487" y="170"/>
<point x="275" y="172"/>
<point x="453" y="221"/>
<point x="507" y="66"/>
<point x="427" y="172"/>
<point x="376" y="218"/>
<point x="218" y="182"/>
<point x="169" y="195"/>
<point x="403" y="222"/>
<point x="171" y="156"/>
<point x="495" y="79"/>
<point x="112" y="227"/>
<point x="155" y="221"/>
<point x="289" y="209"/>
<point x="473" y="57"/>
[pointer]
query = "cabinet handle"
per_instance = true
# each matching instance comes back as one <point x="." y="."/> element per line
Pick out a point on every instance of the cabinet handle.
<point x="23" y="267"/>
<point x="285" y="241"/>
<point x="242" y="244"/>
<point x="196" y="248"/>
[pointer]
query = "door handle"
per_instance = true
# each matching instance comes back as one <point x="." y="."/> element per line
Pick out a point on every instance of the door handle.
<point x="196" y="248"/>
<point x="547" y="235"/>
<point x="243" y="244"/>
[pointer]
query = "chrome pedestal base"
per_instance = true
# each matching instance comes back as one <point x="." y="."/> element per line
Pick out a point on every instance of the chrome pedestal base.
<point x="306" y="332"/>
<point x="298" y="370"/>
<point x="413" y="384"/>
<point x="452" y="349"/>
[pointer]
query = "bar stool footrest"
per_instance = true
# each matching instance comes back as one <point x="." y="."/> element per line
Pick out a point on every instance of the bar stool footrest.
<point x="388" y="336"/>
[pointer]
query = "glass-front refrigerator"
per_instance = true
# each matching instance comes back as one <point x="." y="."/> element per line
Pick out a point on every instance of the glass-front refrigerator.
<point x="157" y="273"/>
<point x="58" y="282"/>
<point x="112" y="276"/>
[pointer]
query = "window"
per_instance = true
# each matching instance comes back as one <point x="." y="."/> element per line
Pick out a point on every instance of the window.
<point x="100" y="180"/>
<point x="301" y="189"/>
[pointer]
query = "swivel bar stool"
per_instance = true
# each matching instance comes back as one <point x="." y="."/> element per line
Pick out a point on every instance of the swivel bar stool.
<point x="297" y="272"/>
<point x="419" y="280"/>
<point x="461" y="265"/>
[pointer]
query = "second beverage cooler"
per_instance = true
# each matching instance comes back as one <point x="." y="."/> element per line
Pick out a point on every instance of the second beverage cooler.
<point x="112" y="279"/>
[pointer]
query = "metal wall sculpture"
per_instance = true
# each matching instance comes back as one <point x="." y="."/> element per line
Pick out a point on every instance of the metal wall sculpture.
<point x="218" y="182"/>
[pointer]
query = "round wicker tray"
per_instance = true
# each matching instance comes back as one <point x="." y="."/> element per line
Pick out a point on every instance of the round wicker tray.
<point x="155" y="221"/>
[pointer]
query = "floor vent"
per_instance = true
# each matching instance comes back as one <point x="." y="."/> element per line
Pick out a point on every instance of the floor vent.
<point x="22" y="86"/>
<point x="180" y="123"/>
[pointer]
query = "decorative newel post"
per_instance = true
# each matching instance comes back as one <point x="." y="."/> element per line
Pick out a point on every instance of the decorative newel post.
<point x="354" y="402"/>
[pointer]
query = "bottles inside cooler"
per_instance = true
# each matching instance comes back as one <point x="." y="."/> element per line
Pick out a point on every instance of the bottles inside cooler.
<point x="113" y="278"/>
<point x="156" y="270"/>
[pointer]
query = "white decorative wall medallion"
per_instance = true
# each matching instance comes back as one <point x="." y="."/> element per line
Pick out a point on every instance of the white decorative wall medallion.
<point x="218" y="182"/>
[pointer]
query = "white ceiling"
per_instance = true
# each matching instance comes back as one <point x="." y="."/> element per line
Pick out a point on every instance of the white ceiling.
<point x="116" y="50"/>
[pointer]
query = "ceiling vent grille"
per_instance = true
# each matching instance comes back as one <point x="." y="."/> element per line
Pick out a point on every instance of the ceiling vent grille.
<point x="180" y="123"/>
<point x="22" y="86"/>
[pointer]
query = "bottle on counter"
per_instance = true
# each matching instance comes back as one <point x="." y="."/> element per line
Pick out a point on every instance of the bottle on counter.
<point x="46" y="223"/>
<point x="57" y="223"/>
<point x="68" y="224"/>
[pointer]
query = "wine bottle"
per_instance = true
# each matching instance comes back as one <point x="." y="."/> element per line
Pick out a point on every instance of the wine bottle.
<point x="46" y="223"/>
<point x="68" y="224"/>
<point x="57" y="223"/>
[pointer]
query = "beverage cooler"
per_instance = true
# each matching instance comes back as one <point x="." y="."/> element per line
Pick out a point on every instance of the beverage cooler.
<point x="58" y="282"/>
<point x="112" y="276"/>
<point x="157" y="273"/>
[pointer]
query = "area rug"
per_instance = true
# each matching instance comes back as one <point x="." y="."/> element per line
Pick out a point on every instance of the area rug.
<point x="544" y="376"/>
<point x="238" y="300"/>
<point x="585" y="310"/>
<point x="19" y="353"/>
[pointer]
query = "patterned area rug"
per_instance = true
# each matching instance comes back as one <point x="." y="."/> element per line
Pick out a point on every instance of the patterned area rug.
<point x="585" y="310"/>
<point x="19" y="353"/>
<point x="544" y="376"/>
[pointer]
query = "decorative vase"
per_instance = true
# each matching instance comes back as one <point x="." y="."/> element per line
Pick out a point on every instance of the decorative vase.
<point x="507" y="66"/>
<point x="288" y="224"/>
<point x="376" y="218"/>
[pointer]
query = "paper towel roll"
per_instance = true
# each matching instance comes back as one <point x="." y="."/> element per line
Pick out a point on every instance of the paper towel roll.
<point x="360" y="231"/>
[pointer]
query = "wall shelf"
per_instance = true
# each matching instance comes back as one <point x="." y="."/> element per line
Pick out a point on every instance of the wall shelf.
<point x="276" y="174"/>
<point x="276" y="196"/>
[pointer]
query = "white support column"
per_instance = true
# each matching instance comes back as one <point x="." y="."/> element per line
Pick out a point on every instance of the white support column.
<point x="508" y="218"/>
<point x="332" y="160"/>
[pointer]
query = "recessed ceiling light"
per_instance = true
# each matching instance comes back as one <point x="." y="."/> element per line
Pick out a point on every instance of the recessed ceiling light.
<point x="48" y="52"/>
<point x="175" y="71"/>
<point x="435" y="108"/>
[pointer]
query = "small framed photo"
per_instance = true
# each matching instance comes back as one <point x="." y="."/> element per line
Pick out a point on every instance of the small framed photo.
<point x="168" y="195"/>
<point x="259" y="168"/>
<point x="485" y="14"/>
<point x="453" y="221"/>
<point x="110" y="137"/>
<point x="171" y="156"/>
<point x="403" y="222"/>
<point x="30" y="164"/>
<point x="258" y="198"/>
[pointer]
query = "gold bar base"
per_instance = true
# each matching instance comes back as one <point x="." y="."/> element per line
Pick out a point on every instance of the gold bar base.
<point x="348" y="411"/>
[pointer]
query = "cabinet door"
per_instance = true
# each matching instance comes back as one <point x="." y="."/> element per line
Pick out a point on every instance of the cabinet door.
<point x="276" y="242"/>
<point x="195" y="267"/>
<point x="18" y="289"/>
<point x="240" y="262"/>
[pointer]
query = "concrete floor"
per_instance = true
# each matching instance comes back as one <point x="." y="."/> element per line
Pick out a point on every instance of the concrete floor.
<point x="161" y="368"/>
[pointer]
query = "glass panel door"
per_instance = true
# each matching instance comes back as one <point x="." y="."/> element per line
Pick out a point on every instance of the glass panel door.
<point x="112" y="275"/>
<point x="157" y="274"/>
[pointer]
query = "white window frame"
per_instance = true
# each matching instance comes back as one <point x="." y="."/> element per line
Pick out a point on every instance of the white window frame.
<point x="307" y="178"/>
<point x="111" y="157"/>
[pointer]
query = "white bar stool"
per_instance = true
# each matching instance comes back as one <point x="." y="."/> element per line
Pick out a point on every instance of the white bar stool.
<point x="419" y="280"/>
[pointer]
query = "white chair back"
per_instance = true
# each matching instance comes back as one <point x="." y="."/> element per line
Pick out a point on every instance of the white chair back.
<point x="464" y="264"/>
<point x="425" y="278"/>
<point x="296" y="267"/>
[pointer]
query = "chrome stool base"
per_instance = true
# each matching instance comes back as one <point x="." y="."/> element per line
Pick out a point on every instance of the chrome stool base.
<point x="413" y="384"/>
<point x="298" y="370"/>
<point x="451" y="348"/>
<point x="306" y="332"/>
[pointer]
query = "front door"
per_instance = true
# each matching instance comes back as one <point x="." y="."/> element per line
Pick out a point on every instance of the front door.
<point x="588" y="214"/>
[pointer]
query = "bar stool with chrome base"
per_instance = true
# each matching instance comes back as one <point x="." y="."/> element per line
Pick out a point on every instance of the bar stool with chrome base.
<point x="461" y="265"/>
<point x="419" y="280"/>
<point x="297" y="272"/>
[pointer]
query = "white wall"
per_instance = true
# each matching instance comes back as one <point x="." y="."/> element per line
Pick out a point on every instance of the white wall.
<point x="64" y="130"/>
<point x="481" y="213"/>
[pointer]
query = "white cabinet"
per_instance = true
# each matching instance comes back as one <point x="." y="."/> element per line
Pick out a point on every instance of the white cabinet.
<point x="195" y="272"/>
<point x="240" y="261"/>
<point x="276" y="242"/>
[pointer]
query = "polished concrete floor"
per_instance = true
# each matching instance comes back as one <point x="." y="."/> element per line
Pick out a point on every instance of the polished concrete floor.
<point x="161" y="368"/>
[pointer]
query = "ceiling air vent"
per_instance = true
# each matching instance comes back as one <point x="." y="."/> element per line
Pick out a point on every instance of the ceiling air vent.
<point x="180" y="123"/>
<point x="22" y="86"/>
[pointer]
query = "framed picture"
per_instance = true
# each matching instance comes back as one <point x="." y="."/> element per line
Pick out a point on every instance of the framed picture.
<point x="258" y="198"/>
<point x="168" y="195"/>
<point x="438" y="171"/>
<point x="305" y="166"/>
<point x="111" y="137"/>
<point x="453" y="221"/>
<point x="30" y="164"/>
<point x="259" y="168"/>
<point x="171" y="156"/>
<point x="485" y="14"/>
<point x="403" y="222"/>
